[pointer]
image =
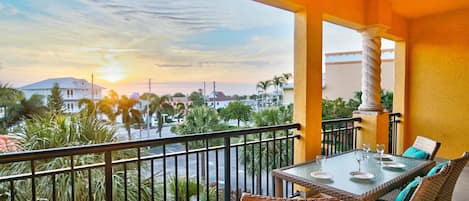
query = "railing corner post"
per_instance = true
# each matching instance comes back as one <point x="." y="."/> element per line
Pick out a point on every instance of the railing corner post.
<point x="227" y="161"/>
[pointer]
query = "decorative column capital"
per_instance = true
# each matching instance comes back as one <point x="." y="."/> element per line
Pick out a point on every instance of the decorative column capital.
<point x="376" y="30"/>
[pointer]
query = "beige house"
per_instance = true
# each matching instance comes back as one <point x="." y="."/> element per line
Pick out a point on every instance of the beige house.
<point x="342" y="76"/>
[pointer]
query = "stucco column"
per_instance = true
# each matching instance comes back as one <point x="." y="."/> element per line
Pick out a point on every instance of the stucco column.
<point x="371" y="69"/>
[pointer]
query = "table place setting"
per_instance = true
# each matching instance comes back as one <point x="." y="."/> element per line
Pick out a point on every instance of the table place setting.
<point x="321" y="174"/>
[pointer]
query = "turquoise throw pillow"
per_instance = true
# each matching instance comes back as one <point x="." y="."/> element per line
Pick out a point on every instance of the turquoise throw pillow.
<point x="408" y="191"/>
<point x="413" y="152"/>
<point x="437" y="168"/>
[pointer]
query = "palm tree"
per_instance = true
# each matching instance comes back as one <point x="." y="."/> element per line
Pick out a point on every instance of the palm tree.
<point x="278" y="81"/>
<point x="129" y="114"/>
<point x="26" y="109"/>
<point x="287" y="76"/>
<point x="88" y="106"/>
<point x="264" y="85"/>
<point x="158" y="105"/>
<point x="200" y="120"/>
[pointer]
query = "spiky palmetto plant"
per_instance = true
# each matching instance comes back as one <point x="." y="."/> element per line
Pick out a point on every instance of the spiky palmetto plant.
<point x="58" y="130"/>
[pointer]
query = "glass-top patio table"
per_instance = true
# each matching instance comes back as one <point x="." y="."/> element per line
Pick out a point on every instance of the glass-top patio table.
<point x="342" y="185"/>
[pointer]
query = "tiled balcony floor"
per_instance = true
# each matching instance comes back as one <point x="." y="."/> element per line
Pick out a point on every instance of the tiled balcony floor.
<point x="461" y="191"/>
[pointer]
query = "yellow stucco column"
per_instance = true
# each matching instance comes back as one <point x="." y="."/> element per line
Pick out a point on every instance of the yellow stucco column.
<point x="374" y="128"/>
<point x="308" y="82"/>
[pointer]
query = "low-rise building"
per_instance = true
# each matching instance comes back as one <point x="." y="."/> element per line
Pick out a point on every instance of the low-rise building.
<point x="71" y="89"/>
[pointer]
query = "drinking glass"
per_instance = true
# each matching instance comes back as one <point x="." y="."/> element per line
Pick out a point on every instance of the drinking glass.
<point x="359" y="156"/>
<point x="367" y="149"/>
<point x="320" y="161"/>
<point x="380" y="150"/>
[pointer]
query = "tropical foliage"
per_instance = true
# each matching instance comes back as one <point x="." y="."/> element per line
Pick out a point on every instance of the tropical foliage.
<point x="158" y="105"/>
<point x="129" y="113"/>
<point x="236" y="111"/>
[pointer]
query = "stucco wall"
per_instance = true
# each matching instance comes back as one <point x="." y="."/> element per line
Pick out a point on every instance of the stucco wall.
<point x="438" y="82"/>
<point x="344" y="79"/>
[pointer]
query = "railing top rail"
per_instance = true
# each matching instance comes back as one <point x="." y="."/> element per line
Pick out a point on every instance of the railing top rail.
<point x="342" y="120"/>
<point x="114" y="146"/>
<point x="397" y="114"/>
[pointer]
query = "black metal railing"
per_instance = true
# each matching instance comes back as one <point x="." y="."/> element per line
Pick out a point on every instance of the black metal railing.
<point x="339" y="135"/>
<point x="393" y="123"/>
<point x="211" y="166"/>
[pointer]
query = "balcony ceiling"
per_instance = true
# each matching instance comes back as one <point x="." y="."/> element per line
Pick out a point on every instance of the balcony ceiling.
<point x="419" y="8"/>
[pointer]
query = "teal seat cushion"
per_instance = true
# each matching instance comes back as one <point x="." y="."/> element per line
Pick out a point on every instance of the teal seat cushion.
<point x="409" y="190"/>
<point x="437" y="168"/>
<point x="413" y="152"/>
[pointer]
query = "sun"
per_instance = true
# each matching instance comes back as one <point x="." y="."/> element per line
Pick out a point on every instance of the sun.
<point x="112" y="72"/>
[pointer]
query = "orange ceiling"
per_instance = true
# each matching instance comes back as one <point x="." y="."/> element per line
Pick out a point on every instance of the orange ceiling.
<point x="419" y="8"/>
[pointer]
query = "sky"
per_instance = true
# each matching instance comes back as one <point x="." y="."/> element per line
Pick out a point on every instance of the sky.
<point x="178" y="44"/>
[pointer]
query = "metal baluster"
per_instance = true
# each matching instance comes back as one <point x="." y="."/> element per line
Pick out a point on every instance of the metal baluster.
<point x="12" y="190"/>
<point x="187" y="171"/>
<point x="237" y="174"/>
<point x="125" y="182"/>
<point x="287" y="159"/>
<point x="274" y="162"/>
<point x="216" y="174"/>
<point x="197" y="175"/>
<point x="260" y="165"/>
<point x="227" y="176"/>
<point x="245" y="163"/>
<point x="164" y="173"/>
<point x="72" y="177"/>
<point x="292" y="155"/>
<point x="139" y="174"/>
<point x="90" y="190"/>
<point x="267" y="166"/>
<point x="108" y="174"/>
<point x="176" y="177"/>
<point x="33" y="183"/>
<point x="54" y="194"/>
<point x="252" y="168"/>
<point x="152" y="169"/>
<point x="206" y="170"/>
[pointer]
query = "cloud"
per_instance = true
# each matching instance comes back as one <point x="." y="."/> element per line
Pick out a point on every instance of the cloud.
<point x="9" y="10"/>
<point x="174" y="65"/>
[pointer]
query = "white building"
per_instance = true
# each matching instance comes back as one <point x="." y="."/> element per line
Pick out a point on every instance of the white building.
<point x="219" y="99"/>
<point x="72" y="90"/>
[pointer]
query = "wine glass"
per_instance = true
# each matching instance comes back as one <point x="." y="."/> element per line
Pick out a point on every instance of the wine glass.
<point x="380" y="149"/>
<point x="320" y="161"/>
<point x="359" y="157"/>
<point x="367" y="149"/>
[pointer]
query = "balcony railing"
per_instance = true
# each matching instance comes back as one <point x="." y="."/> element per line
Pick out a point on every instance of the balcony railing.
<point x="339" y="135"/>
<point x="393" y="122"/>
<point x="211" y="166"/>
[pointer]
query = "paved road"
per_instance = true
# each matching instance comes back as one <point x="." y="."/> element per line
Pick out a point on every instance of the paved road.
<point x="192" y="163"/>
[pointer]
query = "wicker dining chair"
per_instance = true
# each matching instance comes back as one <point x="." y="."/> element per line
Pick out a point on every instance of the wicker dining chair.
<point x="250" y="197"/>
<point x="446" y="193"/>
<point x="430" y="186"/>
<point x="428" y="145"/>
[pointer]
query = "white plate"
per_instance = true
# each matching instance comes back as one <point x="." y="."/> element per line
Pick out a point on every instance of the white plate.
<point x="393" y="165"/>
<point x="362" y="175"/>
<point x="321" y="175"/>
<point x="385" y="156"/>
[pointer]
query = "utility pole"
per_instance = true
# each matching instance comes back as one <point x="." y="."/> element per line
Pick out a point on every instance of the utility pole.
<point x="148" y="107"/>
<point x="204" y="94"/>
<point x="92" y="95"/>
<point x="92" y="87"/>
<point x="214" y="96"/>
